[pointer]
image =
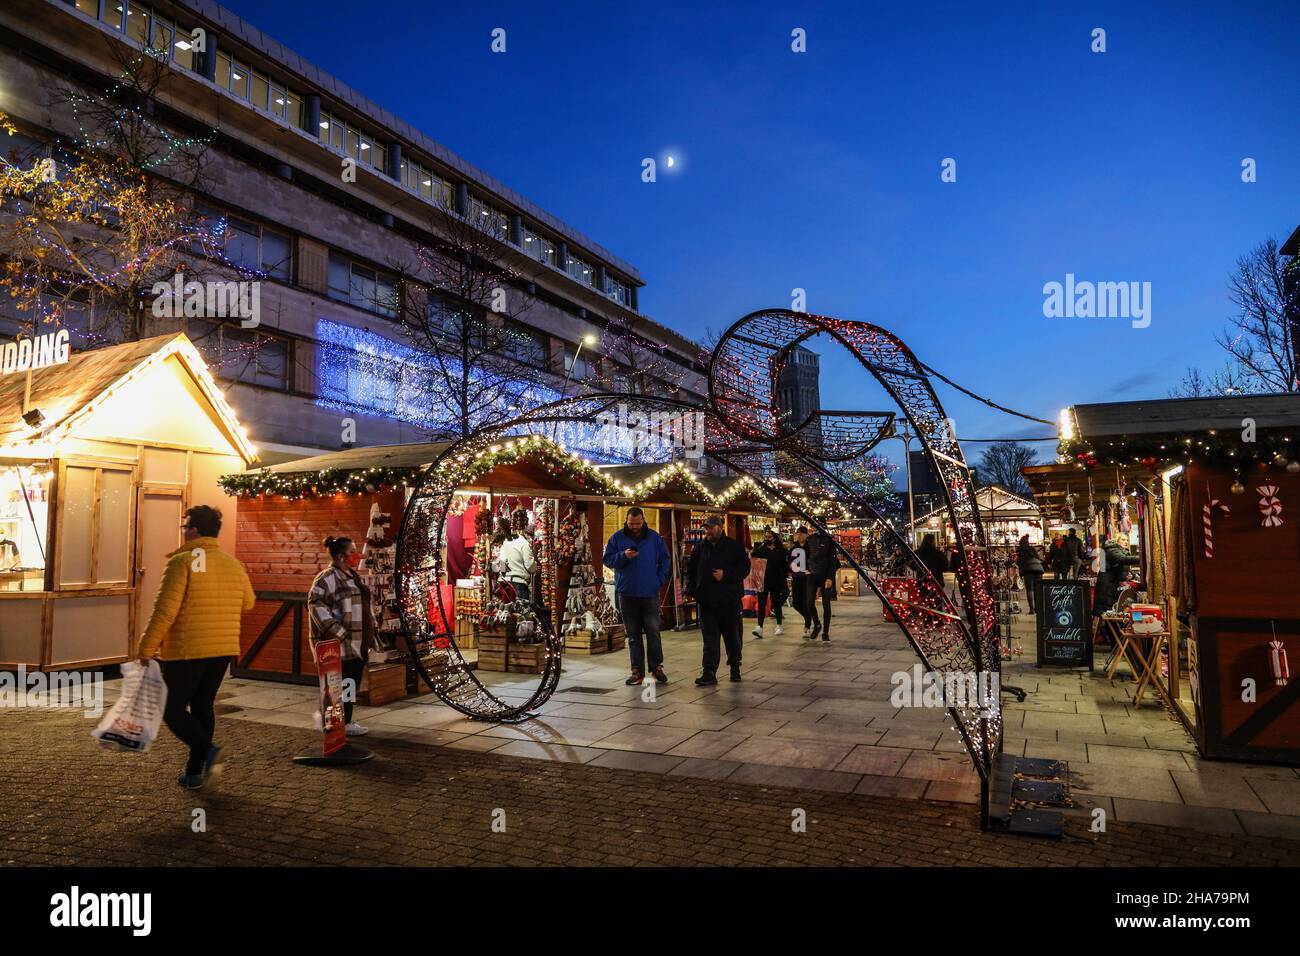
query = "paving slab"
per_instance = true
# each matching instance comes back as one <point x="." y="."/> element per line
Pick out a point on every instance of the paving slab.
<point x="1176" y="815"/>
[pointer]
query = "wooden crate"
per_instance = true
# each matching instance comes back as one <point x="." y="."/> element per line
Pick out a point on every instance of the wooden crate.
<point x="525" y="658"/>
<point x="492" y="646"/>
<point x="384" y="683"/>
<point x="466" y="633"/>
<point x="617" y="636"/>
<point x="586" y="642"/>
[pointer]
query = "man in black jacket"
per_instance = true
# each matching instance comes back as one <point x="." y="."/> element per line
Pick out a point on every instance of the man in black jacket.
<point x="715" y="578"/>
<point x="822" y="562"/>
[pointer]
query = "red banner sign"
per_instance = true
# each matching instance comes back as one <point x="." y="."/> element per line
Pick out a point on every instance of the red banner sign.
<point x="329" y="665"/>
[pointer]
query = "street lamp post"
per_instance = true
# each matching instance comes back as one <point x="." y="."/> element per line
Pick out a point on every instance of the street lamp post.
<point x="906" y="439"/>
<point x="587" y="339"/>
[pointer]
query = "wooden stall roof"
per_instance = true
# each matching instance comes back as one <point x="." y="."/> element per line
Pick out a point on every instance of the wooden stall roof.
<point x="1052" y="483"/>
<point x="1179" y="416"/>
<point x="676" y="490"/>
<point x="415" y="455"/>
<point x="995" y="504"/>
<point x="64" y="393"/>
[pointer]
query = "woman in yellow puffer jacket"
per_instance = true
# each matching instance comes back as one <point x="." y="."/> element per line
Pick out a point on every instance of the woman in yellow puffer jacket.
<point x="194" y="633"/>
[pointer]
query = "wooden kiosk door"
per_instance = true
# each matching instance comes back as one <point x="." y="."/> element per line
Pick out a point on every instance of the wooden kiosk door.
<point x="159" y="534"/>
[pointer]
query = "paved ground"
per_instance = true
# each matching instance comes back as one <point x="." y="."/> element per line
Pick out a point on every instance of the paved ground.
<point x="817" y="716"/>
<point x="65" y="802"/>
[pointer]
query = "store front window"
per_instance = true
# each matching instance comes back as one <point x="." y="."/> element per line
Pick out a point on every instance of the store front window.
<point x="24" y="525"/>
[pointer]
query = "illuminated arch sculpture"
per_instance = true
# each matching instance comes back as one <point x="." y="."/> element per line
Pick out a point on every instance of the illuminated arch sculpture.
<point x="743" y="428"/>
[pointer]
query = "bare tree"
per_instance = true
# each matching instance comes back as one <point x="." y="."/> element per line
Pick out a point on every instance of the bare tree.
<point x="461" y="306"/>
<point x="1196" y="384"/>
<point x="1264" y="341"/>
<point x="635" y="364"/>
<point x="1001" y="463"/>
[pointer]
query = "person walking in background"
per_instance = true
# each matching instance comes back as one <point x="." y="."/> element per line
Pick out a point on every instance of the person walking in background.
<point x="823" y="560"/>
<point x="715" y="578"/>
<point x="518" y="562"/>
<point x="1074" y="553"/>
<point x="1057" y="558"/>
<point x="642" y="566"/>
<point x="340" y="607"/>
<point x="936" y="562"/>
<point x="773" y="551"/>
<point x="799" y="589"/>
<point x="1031" y="569"/>
<point x="194" y="633"/>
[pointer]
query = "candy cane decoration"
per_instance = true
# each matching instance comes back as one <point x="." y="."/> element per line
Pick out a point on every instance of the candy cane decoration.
<point x="1211" y="505"/>
<point x="1277" y="660"/>
<point x="1269" y="505"/>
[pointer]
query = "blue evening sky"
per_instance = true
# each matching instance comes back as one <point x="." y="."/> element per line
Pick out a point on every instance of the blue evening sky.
<point x="821" y="170"/>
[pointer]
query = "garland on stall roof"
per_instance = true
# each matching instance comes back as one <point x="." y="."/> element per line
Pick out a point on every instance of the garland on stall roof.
<point x="313" y="484"/>
<point x="1214" y="447"/>
<point x="551" y="456"/>
<point x="331" y="481"/>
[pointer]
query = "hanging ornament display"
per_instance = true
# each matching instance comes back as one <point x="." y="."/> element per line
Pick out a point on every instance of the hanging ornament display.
<point x="1212" y="505"/>
<point x="1270" y="506"/>
<point x="1278" y="662"/>
<point x="1237" y="488"/>
<point x="1293" y="467"/>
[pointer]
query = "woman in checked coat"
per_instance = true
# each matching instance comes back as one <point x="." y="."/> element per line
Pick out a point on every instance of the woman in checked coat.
<point x="339" y="606"/>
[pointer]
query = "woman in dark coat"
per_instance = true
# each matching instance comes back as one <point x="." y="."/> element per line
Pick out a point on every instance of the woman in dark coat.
<point x="1031" y="569"/>
<point x="1118" y="561"/>
<point x="775" y="573"/>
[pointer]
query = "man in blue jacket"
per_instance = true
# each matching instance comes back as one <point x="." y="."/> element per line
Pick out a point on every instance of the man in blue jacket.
<point x="642" y="567"/>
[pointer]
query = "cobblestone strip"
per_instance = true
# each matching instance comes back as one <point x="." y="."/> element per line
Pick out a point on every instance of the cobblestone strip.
<point x="65" y="802"/>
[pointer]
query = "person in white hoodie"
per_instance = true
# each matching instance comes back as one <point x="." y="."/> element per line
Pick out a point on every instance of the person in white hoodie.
<point x="516" y="555"/>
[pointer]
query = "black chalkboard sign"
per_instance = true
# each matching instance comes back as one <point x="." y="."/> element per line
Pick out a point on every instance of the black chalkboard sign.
<point x="1064" y="624"/>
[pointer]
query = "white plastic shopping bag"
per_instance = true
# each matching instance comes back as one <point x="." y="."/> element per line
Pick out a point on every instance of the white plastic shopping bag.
<point x="132" y="723"/>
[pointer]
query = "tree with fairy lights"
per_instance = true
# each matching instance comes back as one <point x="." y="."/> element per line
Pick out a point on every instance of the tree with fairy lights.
<point x="871" y="476"/>
<point x="461" y="305"/>
<point x="97" y="219"/>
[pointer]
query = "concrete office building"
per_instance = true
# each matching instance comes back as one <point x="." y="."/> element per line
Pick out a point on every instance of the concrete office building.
<point x="272" y="178"/>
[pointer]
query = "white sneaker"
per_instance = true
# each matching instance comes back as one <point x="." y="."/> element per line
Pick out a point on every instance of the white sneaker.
<point x="354" y="729"/>
<point x="778" y="630"/>
<point x="757" y="632"/>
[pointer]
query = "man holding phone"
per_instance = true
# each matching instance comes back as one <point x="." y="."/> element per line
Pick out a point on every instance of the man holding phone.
<point x="642" y="566"/>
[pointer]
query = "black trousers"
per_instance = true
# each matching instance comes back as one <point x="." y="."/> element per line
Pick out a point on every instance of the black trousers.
<point x="720" y="622"/>
<point x="191" y="692"/>
<point x="1033" y="581"/>
<point x="778" y="596"/>
<point x="806" y="590"/>
<point x="641" y="621"/>
<point x="353" y="669"/>
<point x="826" y="607"/>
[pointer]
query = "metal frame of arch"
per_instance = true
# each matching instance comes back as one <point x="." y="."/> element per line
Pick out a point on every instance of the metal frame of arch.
<point x="744" y="430"/>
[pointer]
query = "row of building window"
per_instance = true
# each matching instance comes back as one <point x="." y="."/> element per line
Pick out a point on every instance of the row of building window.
<point x="142" y="24"/>
<point x="424" y="181"/>
<point x="345" y="138"/>
<point x="264" y="93"/>
<point x="362" y="286"/>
